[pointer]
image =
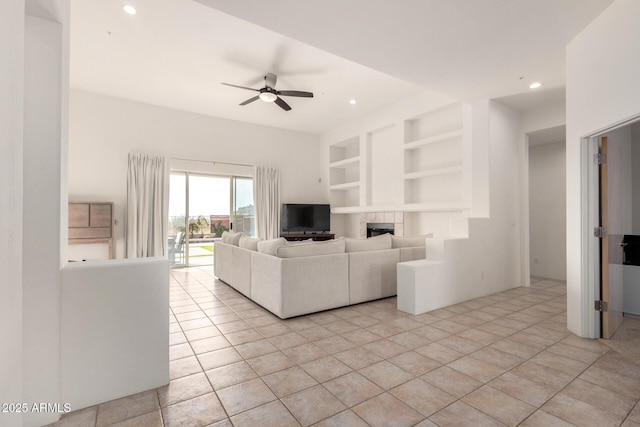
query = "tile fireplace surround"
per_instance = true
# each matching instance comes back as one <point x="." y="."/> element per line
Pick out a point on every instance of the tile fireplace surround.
<point x="395" y="218"/>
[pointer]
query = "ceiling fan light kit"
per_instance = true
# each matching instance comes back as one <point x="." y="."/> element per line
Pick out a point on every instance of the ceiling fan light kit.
<point x="268" y="96"/>
<point x="269" y="93"/>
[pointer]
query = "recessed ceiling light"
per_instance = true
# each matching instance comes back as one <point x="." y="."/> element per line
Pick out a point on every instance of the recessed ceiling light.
<point x="352" y="101"/>
<point x="535" y="85"/>
<point x="129" y="9"/>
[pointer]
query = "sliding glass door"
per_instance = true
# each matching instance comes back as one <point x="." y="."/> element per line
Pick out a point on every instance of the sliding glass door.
<point x="201" y="208"/>
<point x="243" y="216"/>
<point x="176" y="244"/>
<point x="208" y="204"/>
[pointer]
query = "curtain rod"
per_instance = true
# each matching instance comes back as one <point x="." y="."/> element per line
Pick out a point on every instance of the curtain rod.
<point x="211" y="161"/>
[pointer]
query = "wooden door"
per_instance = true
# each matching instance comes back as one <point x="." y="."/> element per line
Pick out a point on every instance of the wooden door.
<point x="610" y="248"/>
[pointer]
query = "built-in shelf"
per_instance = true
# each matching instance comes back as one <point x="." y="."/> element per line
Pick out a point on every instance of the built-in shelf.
<point x="412" y="145"/>
<point x="433" y="159"/>
<point x="345" y="186"/>
<point x="433" y="172"/>
<point x="436" y="207"/>
<point x="346" y="163"/>
<point x="349" y="148"/>
<point x="409" y="207"/>
<point x="345" y="172"/>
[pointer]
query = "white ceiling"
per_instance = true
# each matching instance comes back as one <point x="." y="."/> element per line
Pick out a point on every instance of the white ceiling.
<point x="548" y="136"/>
<point x="175" y="53"/>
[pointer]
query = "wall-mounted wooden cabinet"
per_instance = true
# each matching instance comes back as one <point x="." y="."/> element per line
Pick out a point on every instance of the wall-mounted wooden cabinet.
<point x="91" y="223"/>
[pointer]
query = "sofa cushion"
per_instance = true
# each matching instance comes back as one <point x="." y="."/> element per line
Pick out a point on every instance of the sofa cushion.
<point x="231" y="238"/>
<point x="250" y="243"/>
<point x="409" y="242"/>
<point x="327" y="247"/>
<point x="270" y="247"/>
<point x="375" y="243"/>
<point x="299" y="242"/>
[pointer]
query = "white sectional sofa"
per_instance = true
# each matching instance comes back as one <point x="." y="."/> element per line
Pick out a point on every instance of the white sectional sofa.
<point x="291" y="279"/>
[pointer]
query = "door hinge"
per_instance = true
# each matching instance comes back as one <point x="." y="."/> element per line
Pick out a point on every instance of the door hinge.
<point x="599" y="158"/>
<point x="601" y="306"/>
<point x="600" y="232"/>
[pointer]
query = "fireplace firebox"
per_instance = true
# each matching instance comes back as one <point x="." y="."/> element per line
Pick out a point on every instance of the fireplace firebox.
<point x="377" y="228"/>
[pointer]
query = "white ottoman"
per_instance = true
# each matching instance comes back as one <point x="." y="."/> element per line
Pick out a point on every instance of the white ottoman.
<point x="422" y="286"/>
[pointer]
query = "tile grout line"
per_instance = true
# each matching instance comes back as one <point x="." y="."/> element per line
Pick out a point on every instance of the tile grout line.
<point x="248" y="364"/>
<point x="198" y="359"/>
<point x="408" y="349"/>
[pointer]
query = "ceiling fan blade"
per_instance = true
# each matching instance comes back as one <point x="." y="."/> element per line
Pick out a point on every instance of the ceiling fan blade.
<point x="295" y="93"/>
<point x="282" y="104"/>
<point x="270" y="80"/>
<point x="241" y="87"/>
<point x="250" y="100"/>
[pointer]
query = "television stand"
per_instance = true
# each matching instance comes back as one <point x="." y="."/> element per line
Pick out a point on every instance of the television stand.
<point x="317" y="237"/>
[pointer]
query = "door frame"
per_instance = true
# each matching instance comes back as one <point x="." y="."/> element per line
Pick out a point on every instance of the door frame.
<point x="590" y="218"/>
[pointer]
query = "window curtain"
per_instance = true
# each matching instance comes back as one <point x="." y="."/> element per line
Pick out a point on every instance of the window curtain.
<point x="266" y="194"/>
<point x="147" y="206"/>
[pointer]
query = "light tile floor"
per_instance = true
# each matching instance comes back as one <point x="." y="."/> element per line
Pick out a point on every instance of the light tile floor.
<point x="505" y="359"/>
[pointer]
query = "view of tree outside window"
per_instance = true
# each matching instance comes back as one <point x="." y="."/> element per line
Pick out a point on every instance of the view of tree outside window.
<point x="212" y="210"/>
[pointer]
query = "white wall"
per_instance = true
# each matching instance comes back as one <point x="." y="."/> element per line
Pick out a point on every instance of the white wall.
<point x="547" y="210"/>
<point x="602" y="70"/>
<point x="112" y="348"/>
<point x="479" y="161"/>
<point x="41" y="216"/>
<point x="33" y="90"/>
<point x="45" y="105"/>
<point x="11" y="131"/>
<point x="103" y="130"/>
<point x="505" y="131"/>
<point x="635" y="177"/>
<point x="387" y="163"/>
<point x="547" y="117"/>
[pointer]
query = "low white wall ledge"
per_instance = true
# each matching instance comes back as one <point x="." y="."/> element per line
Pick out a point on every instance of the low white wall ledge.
<point x="114" y="329"/>
<point x="455" y="270"/>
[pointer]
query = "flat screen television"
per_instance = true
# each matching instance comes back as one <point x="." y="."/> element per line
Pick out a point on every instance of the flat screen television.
<point x="310" y="218"/>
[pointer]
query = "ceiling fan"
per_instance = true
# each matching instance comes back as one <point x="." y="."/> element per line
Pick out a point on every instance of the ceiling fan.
<point x="269" y="93"/>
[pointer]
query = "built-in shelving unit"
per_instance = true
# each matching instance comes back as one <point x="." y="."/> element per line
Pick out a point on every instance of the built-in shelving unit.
<point x="345" y="172"/>
<point x="426" y="163"/>
<point x="433" y="161"/>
